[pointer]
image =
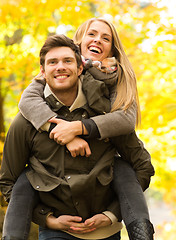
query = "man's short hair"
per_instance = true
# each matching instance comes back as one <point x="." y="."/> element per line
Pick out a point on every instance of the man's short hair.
<point x="59" y="40"/>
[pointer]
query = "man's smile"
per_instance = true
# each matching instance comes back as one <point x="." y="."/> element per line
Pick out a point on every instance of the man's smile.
<point x="61" y="76"/>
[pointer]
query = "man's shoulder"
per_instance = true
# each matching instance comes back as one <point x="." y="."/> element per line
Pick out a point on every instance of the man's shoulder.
<point x="19" y="122"/>
<point x="20" y="133"/>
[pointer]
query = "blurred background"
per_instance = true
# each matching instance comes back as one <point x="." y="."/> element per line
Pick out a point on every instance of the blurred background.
<point x="147" y="30"/>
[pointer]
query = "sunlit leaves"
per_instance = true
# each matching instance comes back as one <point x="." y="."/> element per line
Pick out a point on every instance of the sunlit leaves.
<point x="148" y="35"/>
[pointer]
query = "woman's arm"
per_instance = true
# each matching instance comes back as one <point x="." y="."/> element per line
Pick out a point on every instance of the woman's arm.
<point x="103" y="126"/>
<point x="34" y="109"/>
<point x="116" y="123"/>
<point x="32" y="105"/>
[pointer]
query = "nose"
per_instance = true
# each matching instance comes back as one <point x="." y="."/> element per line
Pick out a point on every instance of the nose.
<point x="60" y="66"/>
<point x="97" y="39"/>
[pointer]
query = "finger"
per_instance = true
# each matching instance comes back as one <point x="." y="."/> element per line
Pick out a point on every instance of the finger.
<point x="51" y="135"/>
<point x="83" y="228"/>
<point x="58" y="141"/>
<point x="90" y="221"/>
<point x="77" y="152"/>
<point x="56" y="138"/>
<point x="87" y="151"/>
<point x="73" y="153"/>
<point x="62" y="143"/>
<point x="78" y="226"/>
<point x="54" y="120"/>
<point x="82" y="152"/>
<point x="76" y="219"/>
<point x="89" y="224"/>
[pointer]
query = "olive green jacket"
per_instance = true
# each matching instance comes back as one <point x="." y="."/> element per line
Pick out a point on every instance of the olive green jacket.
<point x="52" y="171"/>
<point x="84" y="181"/>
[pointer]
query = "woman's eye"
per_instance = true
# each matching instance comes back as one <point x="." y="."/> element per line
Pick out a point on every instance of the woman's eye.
<point x="106" y="39"/>
<point x="91" y="34"/>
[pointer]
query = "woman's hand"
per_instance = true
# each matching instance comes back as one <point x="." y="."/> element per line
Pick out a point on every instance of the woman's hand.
<point x="78" y="146"/>
<point x="65" y="131"/>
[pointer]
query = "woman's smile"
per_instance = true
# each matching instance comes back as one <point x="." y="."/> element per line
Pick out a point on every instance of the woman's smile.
<point x="95" y="49"/>
<point x="97" y="42"/>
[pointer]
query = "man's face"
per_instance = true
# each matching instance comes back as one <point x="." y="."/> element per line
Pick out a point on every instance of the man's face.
<point x="61" y="71"/>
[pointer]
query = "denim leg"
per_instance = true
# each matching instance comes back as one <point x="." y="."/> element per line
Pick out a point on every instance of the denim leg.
<point x="48" y="234"/>
<point x="131" y="197"/>
<point x="19" y="212"/>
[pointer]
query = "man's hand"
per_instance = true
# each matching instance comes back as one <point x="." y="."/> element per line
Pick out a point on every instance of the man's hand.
<point x="78" y="146"/>
<point x="63" y="222"/>
<point x="93" y="223"/>
<point x="67" y="222"/>
<point x="99" y="220"/>
<point x="65" y="131"/>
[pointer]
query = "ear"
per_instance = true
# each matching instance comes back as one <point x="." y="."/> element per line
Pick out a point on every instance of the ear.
<point x="42" y="70"/>
<point x="80" y="69"/>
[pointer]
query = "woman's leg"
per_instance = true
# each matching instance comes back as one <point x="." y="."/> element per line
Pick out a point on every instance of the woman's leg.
<point x="132" y="201"/>
<point x="18" y="217"/>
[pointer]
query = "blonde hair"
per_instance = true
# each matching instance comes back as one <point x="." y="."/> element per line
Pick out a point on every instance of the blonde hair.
<point x="126" y="92"/>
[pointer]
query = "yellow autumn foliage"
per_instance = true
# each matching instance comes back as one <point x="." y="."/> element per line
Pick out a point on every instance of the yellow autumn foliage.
<point x="148" y="34"/>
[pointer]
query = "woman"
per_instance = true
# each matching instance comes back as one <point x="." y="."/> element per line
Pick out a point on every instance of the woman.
<point x="99" y="42"/>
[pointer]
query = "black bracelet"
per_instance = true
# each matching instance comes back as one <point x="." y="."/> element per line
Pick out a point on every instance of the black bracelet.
<point x="82" y="125"/>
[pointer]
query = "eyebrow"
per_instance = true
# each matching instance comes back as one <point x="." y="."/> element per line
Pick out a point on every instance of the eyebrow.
<point x="65" y="58"/>
<point x="105" y="34"/>
<point x="69" y="58"/>
<point x="50" y="59"/>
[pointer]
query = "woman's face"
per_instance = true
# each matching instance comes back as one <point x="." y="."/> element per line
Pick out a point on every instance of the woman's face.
<point x="97" y="43"/>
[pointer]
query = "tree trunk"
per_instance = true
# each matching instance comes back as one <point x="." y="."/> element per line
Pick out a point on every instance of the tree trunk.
<point x="2" y="127"/>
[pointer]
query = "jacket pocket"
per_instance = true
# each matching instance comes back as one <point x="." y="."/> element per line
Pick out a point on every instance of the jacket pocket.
<point x="40" y="178"/>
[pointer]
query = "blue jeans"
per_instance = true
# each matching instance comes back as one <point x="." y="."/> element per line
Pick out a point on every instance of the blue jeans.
<point x="48" y="234"/>
<point x="18" y="217"/>
<point x="132" y="201"/>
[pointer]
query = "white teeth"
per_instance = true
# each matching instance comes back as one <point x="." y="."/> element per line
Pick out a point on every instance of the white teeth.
<point x="95" y="49"/>
<point x="60" y="76"/>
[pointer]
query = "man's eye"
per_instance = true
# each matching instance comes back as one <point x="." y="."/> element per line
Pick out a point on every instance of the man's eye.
<point x="52" y="62"/>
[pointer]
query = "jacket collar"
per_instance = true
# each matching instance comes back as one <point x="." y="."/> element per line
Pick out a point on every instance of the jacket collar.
<point x="56" y="104"/>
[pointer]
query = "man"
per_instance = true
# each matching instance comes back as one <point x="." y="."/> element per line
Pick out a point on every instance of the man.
<point x="76" y="190"/>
